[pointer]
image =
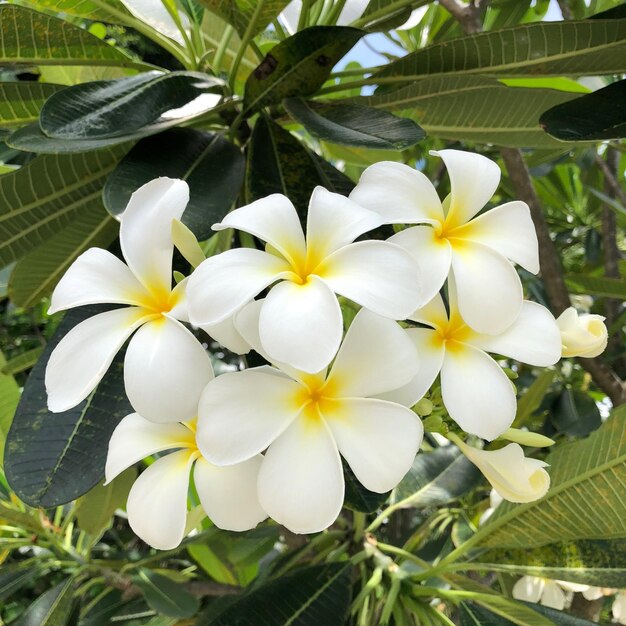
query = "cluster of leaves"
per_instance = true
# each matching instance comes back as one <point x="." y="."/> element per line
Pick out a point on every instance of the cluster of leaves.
<point x="96" y="99"/>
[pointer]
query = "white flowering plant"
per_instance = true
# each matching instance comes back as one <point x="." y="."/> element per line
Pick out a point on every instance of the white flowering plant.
<point x="309" y="353"/>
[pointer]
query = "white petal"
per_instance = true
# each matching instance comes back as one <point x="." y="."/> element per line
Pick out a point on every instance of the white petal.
<point x="135" y="438"/>
<point x="473" y="180"/>
<point x="165" y="371"/>
<point x="619" y="607"/>
<point x="82" y="357"/>
<point x="181" y="305"/>
<point x="335" y="221"/>
<point x="431" y="351"/>
<point x="432" y="313"/>
<point x="488" y="288"/>
<point x="241" y="413"/>
<point x="432" y="254"/>
<point x="229" y="494"/>
<point x="398" y="193"/>
<point x="222" y="284"/>
<point x="378" y="275"/>
<point x="97" y="276"/>
<point x="476" y="392"/>
<point x="509" y="230"/>
<point x="227" y="335"/>
<point x="157" y="502"/>
<point x="379" y="439"/>
<point x="146" y="231"/>
<point x="376" y="356"/>
<point x="553" y="596"/>
<point x="301" y="480"/>
<point x="528" y="588"/>
<point x="301" y="325"/>
<point x="272" y="219"/>
<point x="533" y="338"/>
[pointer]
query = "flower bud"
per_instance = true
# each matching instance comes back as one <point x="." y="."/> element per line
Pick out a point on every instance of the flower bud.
<point x="515" y="477"/>
<point x="526" y="438"/>
<point x="582" y="335"/>
<point x="187" y="243"/>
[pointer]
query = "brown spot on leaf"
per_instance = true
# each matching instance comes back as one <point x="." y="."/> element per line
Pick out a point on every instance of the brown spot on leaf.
<point x="266" y="68"/>
<point x="323" y="60"/>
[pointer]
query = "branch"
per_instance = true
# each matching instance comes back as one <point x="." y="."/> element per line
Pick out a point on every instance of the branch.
<point x="468" y="16"/>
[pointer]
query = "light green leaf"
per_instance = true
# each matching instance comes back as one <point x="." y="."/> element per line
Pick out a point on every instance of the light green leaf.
<point x="597" y="285"/>
<point x="298" y="66"/>
<point x="94" y="510"/>
<point x="36" y="274"/>
<point x="21" y="102"/>
<point x="572" y="48"/>
<point x="9" y="397"/>
<point x="49" y="193"/>
<point x="21" y="362"/>
<point x="533" y="397"/>
<point x="475" y="108"/>
<point x="241" y="13"/>
<point x="585" y="500"/>
<point x="102" y="10"/>
<point x="32" y="38"/>
<point x="210" y="562"/>
<point x="589" y="562"/>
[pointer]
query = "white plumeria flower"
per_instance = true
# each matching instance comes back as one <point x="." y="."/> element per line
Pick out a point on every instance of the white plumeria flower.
<point x="306" y="421"/>
<point x="583" y="335"/>
<point x="515" y="477"/>
<point x="619" y="608"/>
<point x="552" y="593"/>
<point x="476" y="252"/>
<point x="495" y="499"/>
<point x="157" y="502"/>
<point x="300" y="322"/>
<point x="163" y="354"/>
<point x="477" y="394"/>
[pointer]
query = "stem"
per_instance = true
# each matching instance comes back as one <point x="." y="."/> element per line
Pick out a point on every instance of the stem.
<point x="385" y="547"/>
<point x="222" y="47"/>
<point x="335" y="12"/>
<point x="193" y="56"/>
<point x="304" y="14"/>
<point x="245" y="40"/>
<point x="390" y="8"/>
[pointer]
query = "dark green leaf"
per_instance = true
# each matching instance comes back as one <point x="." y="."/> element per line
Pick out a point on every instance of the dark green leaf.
<point x="213" y="167"/>
<point x="16" y="575"/>
<point x="100" y="612"/>
<point x="597" y="285"/>
<point x="475" y="615"/>
<point x="52" y="458"/>
<point x="298" y="66"/>
<point x="279" y="163"/>
<point x="558" y="617"/>
<point x="355" y="125"/>
<point x="310" y="596"/>
<point x="357" y="497"/>
<point x="53" y="608"/>
<point x="32" y="38"/>
<point x="125" y="107"/>
<point x="475" y="108"/>
<point x="240" y="13"/>
<point x="436" y="477"/>
<point x="380" y="15"/>
<point x="573" y="48"/>
<point x="595" y="116"/>
<point x="597" y="563"/>
<point x="32" y="139"/>
<point x="51" y="192"/>
<point x="166" y="596"/>
<point x="533" y="397"/>
<point x="575" y="413"/>
<point x="21" y="102"/>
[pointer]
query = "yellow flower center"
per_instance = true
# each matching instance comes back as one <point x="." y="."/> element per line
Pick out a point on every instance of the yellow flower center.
<point x="453" y="334"/>
<point x="160" y="300"/>
<point x="314" y="395"/>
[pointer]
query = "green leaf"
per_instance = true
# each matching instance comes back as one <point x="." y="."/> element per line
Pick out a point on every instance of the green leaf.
<point x="125" y="107"/>
<point x="102" y="10"/>
<point x="355" y="125"/>
<point x="596" y="285"/>
<point x="585" y="499"/>
<point x="9" y="398"/>
<point x="475" y="615"/>
<point x="533" y="397"/>
<point x="435" y="478"/>
<point x="475" y="108"/>
<point x="318" y="595"/>
<point x="279" y="163"/>
<point x="53" y="608"/>
<point x="575" y="413"/>
<point x="164" y="595"/>
<point x="46" y="453"/>
<point x="381" y="15"/>
<point x="241" y="13"/>
<point x="212" y="166"/>
<point x="36" y="274"/>
<point x="21" y="362"/>
<point x="298" y="66"/>
<point x="589" y="562"/>
<point x="572" y="48"/>
<point x="21" y="102"/>
<point x="357" y="497"/>
<point x="94" y="510"/>
<point x="14" y="576"/>
<point x="210" y="562"/>
<point x="559" y="617"/>
<point x="31" y="38"/>
<point x="597" y="116"/>
<point x="46" y="195"/>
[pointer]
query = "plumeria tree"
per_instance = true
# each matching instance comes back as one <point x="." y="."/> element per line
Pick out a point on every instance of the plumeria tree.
<point x="313" y="312"/>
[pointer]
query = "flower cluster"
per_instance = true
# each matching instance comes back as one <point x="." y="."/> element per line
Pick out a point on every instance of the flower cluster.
<point x="269" y="441"/>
